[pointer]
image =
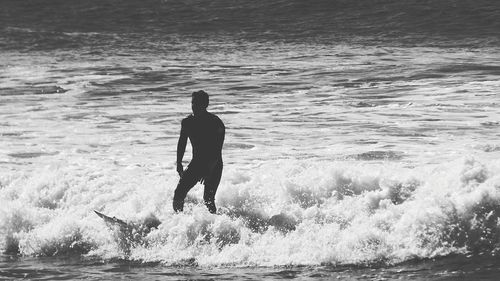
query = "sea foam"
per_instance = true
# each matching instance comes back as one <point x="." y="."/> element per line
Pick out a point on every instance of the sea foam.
<point x="279" y="213"/>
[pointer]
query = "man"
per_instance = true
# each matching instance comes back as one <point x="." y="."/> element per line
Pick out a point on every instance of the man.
<point x="206" y="134"/>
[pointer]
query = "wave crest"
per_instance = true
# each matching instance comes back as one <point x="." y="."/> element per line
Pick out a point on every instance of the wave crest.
<point x="286" y="212"/>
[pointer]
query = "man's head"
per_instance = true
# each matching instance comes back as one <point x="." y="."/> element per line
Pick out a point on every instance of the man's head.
<point x="199" y="102"/>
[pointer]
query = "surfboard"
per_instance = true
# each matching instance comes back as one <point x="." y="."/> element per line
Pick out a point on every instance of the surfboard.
<point x="112" y="220"/>
<point x="129" y="234"/>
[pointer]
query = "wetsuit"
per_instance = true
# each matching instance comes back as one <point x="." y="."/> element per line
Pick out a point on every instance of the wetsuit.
<point x="206" y="134"/>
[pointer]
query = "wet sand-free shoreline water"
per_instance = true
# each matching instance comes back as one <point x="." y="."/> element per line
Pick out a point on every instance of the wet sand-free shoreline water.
<point x="450" y="268"/>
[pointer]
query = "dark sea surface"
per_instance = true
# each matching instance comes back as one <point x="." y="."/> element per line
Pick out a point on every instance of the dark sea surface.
<point x="139" y="25"/>
<point x="362" y="139"/>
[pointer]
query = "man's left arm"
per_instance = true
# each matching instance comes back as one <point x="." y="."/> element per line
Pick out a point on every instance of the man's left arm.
<point x="220" y="135"/>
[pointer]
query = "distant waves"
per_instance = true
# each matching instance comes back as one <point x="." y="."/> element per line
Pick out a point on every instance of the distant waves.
<point x="74" y="23"/>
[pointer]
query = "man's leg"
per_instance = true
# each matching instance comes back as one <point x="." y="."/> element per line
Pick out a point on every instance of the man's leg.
<point x="188" y="180"/>
<point x="211" y="185"/>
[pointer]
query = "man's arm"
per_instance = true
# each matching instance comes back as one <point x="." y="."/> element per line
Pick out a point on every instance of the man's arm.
<point x="221" y="132"/>
<point x="181" y="148"/>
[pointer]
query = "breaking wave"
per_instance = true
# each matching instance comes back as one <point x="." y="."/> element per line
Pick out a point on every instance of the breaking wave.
<point x="280" y="213"/>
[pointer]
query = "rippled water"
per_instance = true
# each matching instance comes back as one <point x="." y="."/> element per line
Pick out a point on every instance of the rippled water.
<point x="301" y="101"/>
<point x="64" y="269"/>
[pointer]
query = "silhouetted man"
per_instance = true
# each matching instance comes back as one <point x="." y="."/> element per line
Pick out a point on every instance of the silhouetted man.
<point x="206" y="134"/>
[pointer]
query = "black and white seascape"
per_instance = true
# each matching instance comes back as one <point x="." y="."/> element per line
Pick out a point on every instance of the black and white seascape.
<point x="362" y="139"/>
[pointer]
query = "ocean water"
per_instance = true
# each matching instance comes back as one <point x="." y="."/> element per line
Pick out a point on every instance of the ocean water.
<point x="362" y="139"/>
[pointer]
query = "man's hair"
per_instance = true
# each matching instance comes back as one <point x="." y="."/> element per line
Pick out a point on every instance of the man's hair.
<point x="201" y="96"/>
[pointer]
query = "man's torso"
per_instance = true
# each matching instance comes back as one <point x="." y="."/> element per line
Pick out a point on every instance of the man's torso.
<point x="204" y="134"/>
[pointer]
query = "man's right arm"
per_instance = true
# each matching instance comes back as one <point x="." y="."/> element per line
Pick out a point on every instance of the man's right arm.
<point x="181" y="148"/>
